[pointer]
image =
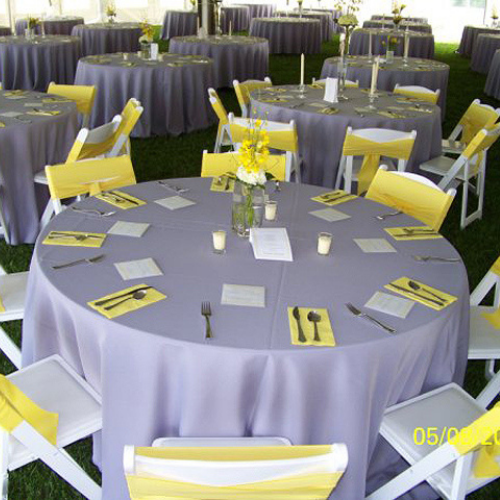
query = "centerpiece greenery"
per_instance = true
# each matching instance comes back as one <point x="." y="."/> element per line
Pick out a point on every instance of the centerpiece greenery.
<point x="111" y="12"/>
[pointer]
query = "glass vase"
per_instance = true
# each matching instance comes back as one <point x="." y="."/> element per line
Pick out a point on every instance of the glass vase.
<point x="248" y="208"/>
<point x="342" y="72"/>
<point x="145" y="50"/>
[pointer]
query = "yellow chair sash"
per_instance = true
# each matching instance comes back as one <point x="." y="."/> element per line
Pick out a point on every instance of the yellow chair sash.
<point x="483" y="433"/>
<point x="89" y="177"/>
<point x="423" y="202"/>
<point x="423" y="96"/>
<point x="296" y="487"/>
<point x="219" y="109"/>
<point x="283" y="140"/>
<point x="372" y="151"/>
<point x="130" y="116"/>
<point x="16" y="407"/>
<point x="479" y="143"/>
<point x="475" y="118"/>
<point x="83" y="95"/>
<point x="244" y="89"/>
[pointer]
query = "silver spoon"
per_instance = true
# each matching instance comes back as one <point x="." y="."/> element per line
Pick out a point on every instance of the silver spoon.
<point x="390" y="214"/>
<point x="91" y="260"/>
<point x="138" y="295"/>
<point x="315" y="318"/>
<point x="415" y="286"/>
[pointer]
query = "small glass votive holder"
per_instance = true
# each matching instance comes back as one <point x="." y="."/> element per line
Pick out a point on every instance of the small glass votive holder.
<point x="125" y="56"/>
<point x="324" y="243"/>
<point x="219" y="241"/>
<point x="270" y="209"/>
<point x="258" y="215"/>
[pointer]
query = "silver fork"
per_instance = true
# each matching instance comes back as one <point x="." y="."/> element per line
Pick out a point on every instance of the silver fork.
<point x="430" y="258"/>
<point x="356" y="312"/>
<point x="207" y="312"/>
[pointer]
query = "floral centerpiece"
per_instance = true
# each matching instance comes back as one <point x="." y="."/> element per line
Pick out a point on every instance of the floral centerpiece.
<point x="111" y="12"/>
<point x="194" y="5"/>
<point x="146" y="39"/>
<point x="494" y="15"/>
<point x="397" y="10"/>
<point x="348" y="20"/>
<point x="31" y="22"/>
<point x="299" y="3"/>
<point x="391" y="45"/>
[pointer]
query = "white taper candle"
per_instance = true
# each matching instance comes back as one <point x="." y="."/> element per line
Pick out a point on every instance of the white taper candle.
<point x="302" y="64"/>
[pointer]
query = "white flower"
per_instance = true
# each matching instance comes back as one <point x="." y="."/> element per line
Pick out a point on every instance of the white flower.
<point x="348" y="20"/>
<point x="145" y="39"/>
<point x="251" y="178"/>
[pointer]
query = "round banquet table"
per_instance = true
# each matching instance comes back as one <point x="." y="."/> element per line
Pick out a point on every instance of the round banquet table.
<point x="492" y="86"/>
<point x="326" y="19"/>
<point x="104" y="38"/>
<point x="28" y="142"/>
<point x="237" y="15"/>
<point x="374" y="23"/>
<point x="321" y="135"/>
<point x="172" y="90"/>
<point x="179" y="23"/>
<point x="158" y="376"/>
<point x="469" y="37"/>
<point x="52" y="25"/>
<point x="34" y="63"/>
<point x="289" y="35"/>
<point x="5" y="31"/>
<point x="484" y="50"/>
<point x="260" y="9"/>
<point x="235" y="57"/>
<point x="423" y="20"/>
<point x="425" y="72"/>
<point x="421" y="44"/>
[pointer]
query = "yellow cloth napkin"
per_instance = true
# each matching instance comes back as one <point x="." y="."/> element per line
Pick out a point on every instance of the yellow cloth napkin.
<point x="402" y="287"/>
<point x="493" y="318"/>
<point x="55" y="100"/>
<point x="2" y="125"/>
<point x="71" y="239"/>
<point x="15" y="93"/>
<point x="329" y="111"/>
<point x="120" y="199"/>
<point x="273" y="99"/>
<point x="419" y="110"/>
<point x="420" y="233"/>
<point x="317" y="86"/>
<point x="42" y="112"/>
<point x="129" y="305"/>
<point x="222" y="184"/>
<point x="334" y="197"/>
<point x="409" y="99"/>
<point x="324" y="327"/>
<point x="391" y="114"/>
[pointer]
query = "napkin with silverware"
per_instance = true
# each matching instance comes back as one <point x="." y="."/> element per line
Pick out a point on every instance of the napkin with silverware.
<point x="43" y="112"/>
<point x="120" y="199"/>
<point x="408" y="233"/>
<point x="325" y="330"/>
<point x="420" y="292"/>
<point x="334" y="197"/>
<point x="74" y="239"/>
<point x="127" y="300"/>
<point x="222" y="184"/>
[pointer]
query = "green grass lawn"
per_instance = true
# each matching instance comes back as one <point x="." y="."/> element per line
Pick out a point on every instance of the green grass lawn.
<point x="163" y="157"/>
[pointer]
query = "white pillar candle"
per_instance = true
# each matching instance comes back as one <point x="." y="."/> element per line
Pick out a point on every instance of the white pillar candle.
<point x="373" y="86"/>
<point x="197" y="25"/>
<point x="219" y="241"/>
<point x="302" y="64"/>
<point x="230" y="28"/>
<point x="407" y="45"/>
<point x="271" y="209"/>
<point x="370" y="44"/>
<point x="324" y="243"/>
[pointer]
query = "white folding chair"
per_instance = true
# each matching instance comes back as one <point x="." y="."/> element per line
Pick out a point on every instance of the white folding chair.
<point x="243" y="89"/>
<point x="13" y="295"/>
<point x="4" y="229"/>
<point x="484" y="341"/>
<point x="56" y="388"/>
<point x="419" y="430"/>
<point x="418" y="92"/>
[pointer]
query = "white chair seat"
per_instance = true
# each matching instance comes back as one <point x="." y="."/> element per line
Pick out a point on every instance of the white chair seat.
<point x="444" y="408"/>
<point x="441" y="165"/>
<point x="41" y="178"/>
<point x="217" y="442"/>
<point x="484" y="342"/>
<point x="13" y="294"/>
<point x="52" y="386"/>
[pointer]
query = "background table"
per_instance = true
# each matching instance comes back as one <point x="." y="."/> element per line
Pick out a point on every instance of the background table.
<point x="469" y="36"/>
<point x="425" y="28"/>
<point x="5" y="31"/>
<point x="159" y="377"/>
<point x="235" y="57"/>
<point x="327" y="23"/>
<point x="104" y="38"/>
<point x="425" y="72"/>
<point x="289" y="35"/>
<point x="237" y="15"/>
<point x="421" y="44"/>
<point x="484" y="49"/>
<point x="173" y="91"/>
<point x="424" y="20"/>
<point x="179" y="23"/>
<point x="52" y="25"/>
<point x="492" y="86"/>
<point x="33" y="64"/>
<point x="27" y="144"/>
<point x="321" y="136"/>
<point x="261" y="9"/>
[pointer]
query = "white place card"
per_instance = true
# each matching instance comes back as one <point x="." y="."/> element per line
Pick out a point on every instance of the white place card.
<point x="330" y="214"/>
<point x="271" y="244"/>
<point x="175" y="202"/>
<point x="10" y="114"/>
<point x="389" y="304"/>
<point x="134" y="229"/>
<point x="331" y="90"/>
<point x="374" y="245"/>
<point x="154" y="51"/>
<point x="243" y="295"/>
<point x="136" y="269"/>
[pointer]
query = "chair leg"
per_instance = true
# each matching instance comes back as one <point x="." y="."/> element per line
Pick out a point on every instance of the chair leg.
<point x="47" y="214"/>
<point x="490" y="391"/>
<point x="489" y="369"/>
<point x="340" y="173"/>
<point x="10" y="349"/>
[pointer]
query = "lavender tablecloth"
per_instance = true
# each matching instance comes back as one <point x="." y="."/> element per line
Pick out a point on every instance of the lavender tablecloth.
<point x="327" y="23"/>
<point x="484" y="49"/>
<point x="421" y="44"/>
<point x="179" y="23"/>
<point x="52" y="26"/>
<point x="235" y="57"/>
<point x="321" y="136"/>
<point x="104" y="38"/>
<point x="5" y="31"/>
<point x="237" y="15"/>
<point x="159" y="377"/>
<point x="424" y="20"/>
<point x="469" y="36"/>
<point x="33" y="64"/>
<point x="289" y="35"/>
<point x="374" y="23"/>
<point x="173" y="91"/>
<point x="261" y="9"/>
<point x="27" y="144"/>
<point x="492" y="86"/>
<point x="425" y="72"/>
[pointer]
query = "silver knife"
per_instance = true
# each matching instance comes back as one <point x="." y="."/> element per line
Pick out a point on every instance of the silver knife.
<point x="397" y="287"/>
<point x="117" y="195"/>
<point x="105" y="301"/>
